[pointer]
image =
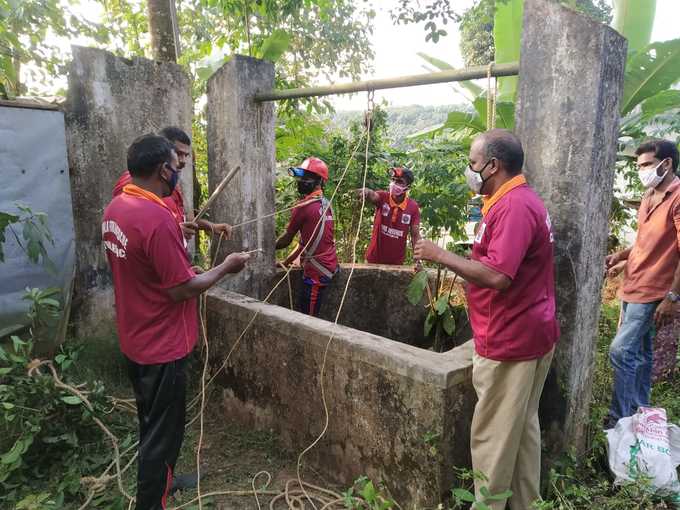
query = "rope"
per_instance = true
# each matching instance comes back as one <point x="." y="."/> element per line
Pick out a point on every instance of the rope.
<point x="369" y="118"/>
<point x="491" y="99"/>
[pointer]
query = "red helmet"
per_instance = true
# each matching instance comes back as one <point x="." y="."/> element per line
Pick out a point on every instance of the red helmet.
<point x="316" y="166"/>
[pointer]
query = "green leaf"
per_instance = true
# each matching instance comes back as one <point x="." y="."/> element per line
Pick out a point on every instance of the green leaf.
<point x="482" y="506"/>
<point x="650" y="71"/>
<point x="500" y="496"/>
<point x="507" y="34"/>
<point x="71" y="400"/>
<point x="464" y="495"/>
<point x="7" y="405"/>
<point x="368" y="492"/>
<point x="5" y="220"/>
<point x="449" y="323"/>
<point x="634" y="19"/>
<point x="660" y="103"/>
<point x="458" y="120"/>
<point x="414" y="292"/>
<point x="18" y="449"/>
<point x="442" y="304"/>
<point x="430" y="321"/>
<point x="275" y="45"/>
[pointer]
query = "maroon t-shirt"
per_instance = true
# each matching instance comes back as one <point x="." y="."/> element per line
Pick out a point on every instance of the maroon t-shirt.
<point x="145" y="250"/>
<point x="388" y="241"/>
<point x="515" y="238"/>
<point x="306" y="220"/>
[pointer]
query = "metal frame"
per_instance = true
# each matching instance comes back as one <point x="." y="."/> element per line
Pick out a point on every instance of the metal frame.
<point x="469" y="73"/>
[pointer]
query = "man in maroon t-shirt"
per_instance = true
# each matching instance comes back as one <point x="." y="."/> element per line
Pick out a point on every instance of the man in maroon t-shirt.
<point x="175" y="201"/>
<point x="395" y="216"/>
<point x="314" y="221"/>
<point x="511" y="300"/>
<point x="155" y="291"/>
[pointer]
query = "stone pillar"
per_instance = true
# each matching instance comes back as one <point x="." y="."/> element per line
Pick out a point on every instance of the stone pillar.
<point x="111" y="101"/>
<point x="570" y="82"/>
<point x="241" y="133"/>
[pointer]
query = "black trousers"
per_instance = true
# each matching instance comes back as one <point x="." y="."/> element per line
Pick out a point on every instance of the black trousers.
<point x="160" y="392"/>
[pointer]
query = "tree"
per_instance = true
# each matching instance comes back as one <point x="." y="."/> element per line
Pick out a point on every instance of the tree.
<point x="162" y="28"/>
<point x="24" y="26"/>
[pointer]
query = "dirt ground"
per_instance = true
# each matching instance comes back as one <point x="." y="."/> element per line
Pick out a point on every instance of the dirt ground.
<point x="231" y="456"/>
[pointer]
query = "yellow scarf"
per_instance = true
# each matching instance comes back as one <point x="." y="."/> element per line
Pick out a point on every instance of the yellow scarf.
<point x="135" y="191"/>
<point x="513" y="183"/>
<point x="395" y="206"/>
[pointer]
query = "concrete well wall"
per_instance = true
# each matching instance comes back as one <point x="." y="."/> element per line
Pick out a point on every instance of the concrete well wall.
<point x="398" y="413"/>
<point x="376" y="302"/>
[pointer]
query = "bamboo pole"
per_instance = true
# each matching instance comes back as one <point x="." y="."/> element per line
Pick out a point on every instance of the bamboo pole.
<point x="469" y="73"/>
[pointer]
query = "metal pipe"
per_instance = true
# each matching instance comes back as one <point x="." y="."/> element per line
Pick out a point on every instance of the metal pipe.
<point x="469" y="73"/>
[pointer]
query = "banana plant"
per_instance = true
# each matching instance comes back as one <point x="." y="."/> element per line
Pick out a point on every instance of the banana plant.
<point x="651" y="71"/>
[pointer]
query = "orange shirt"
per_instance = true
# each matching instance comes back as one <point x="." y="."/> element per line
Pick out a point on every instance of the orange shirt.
<point x="655" y="255"/>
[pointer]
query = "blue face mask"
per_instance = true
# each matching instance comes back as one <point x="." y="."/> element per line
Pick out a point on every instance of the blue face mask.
<point x="172" y="183"/>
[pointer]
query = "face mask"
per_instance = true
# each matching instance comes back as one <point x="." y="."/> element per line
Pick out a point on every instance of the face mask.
<point x="305" y="187"/>
<point x="397" y="189"/>
<point x="650" y="178"/>
<point x="172" y="182"/>
<point x="474" y="179"/>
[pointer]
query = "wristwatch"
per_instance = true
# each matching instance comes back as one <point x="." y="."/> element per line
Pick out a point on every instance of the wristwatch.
<point x="673" y="297"/>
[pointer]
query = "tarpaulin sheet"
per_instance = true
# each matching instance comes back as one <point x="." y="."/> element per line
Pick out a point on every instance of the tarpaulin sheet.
<point x="34" y="170"/>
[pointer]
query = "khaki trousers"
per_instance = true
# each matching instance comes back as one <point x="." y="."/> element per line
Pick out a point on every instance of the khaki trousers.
<point x="506" y="437"/>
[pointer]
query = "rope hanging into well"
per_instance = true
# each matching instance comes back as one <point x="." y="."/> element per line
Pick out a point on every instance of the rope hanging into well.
<point x="491" y="98"/>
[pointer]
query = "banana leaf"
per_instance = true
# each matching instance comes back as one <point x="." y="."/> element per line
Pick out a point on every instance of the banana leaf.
<point x="507" y="34"/>
<point x="650" y="71"/>
<point x="634" y="19"/>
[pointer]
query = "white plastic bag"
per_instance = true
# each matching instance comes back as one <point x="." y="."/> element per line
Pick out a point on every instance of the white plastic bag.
<point x="646" y="445"/>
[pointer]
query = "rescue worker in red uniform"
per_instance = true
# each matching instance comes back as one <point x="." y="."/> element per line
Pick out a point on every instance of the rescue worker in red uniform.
<point x="313" y="219"/>
<point x="395" y="216"/>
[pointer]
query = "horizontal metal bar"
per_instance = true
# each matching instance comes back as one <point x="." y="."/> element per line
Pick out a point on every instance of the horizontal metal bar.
<point x="469" y="73"/>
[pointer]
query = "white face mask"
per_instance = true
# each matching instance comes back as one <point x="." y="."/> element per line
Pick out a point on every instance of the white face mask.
<point x="474" y="179"/>
<point x="650" y="178"/>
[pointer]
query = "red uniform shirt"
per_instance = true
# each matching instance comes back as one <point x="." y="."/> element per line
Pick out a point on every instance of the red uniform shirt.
<point x="306" y="220"/>
<point x="175" y="201"/>
<point x="145" y="251"/>
<point x="515" y="238"/>
<point x="391" y="226"/>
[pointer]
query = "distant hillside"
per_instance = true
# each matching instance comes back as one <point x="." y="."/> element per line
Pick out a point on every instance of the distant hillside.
<point x="402" y="120"/>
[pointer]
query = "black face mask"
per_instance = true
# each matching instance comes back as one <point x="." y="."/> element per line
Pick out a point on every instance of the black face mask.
<point x="305" y="187"/>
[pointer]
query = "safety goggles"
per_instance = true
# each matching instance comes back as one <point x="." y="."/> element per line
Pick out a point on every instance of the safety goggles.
<point x="296" y="172"/>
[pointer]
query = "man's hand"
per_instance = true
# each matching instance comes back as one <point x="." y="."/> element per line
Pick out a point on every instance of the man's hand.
<point x="616" y="269"/>
<point x="235" y="262"/>
<point x="426" y="250"/>
<point x="613" y="259"/>
<point x="666" y="312"/>
<point x="189" y="229"/>
<point x="222" y="229"/>
<point x="197" y="269"/>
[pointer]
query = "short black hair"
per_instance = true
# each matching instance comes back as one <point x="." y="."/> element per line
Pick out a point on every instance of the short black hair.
<point x="662" y="149"/>
<point x="146" y="153"/>
<point x="503" y="145"/>
<point x="175" y="134"/>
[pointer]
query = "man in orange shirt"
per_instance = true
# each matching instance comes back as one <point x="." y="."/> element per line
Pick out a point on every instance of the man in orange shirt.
<point x="650" y="292"/>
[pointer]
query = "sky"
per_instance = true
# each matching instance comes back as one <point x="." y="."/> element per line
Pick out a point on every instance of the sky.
<point x="396" y="49"/>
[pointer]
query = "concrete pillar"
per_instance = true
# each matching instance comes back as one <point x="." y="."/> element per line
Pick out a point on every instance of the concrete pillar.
<point x="111" y="101"/>
<point x="241" y="133"/>
<point x="570" y="82"/>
